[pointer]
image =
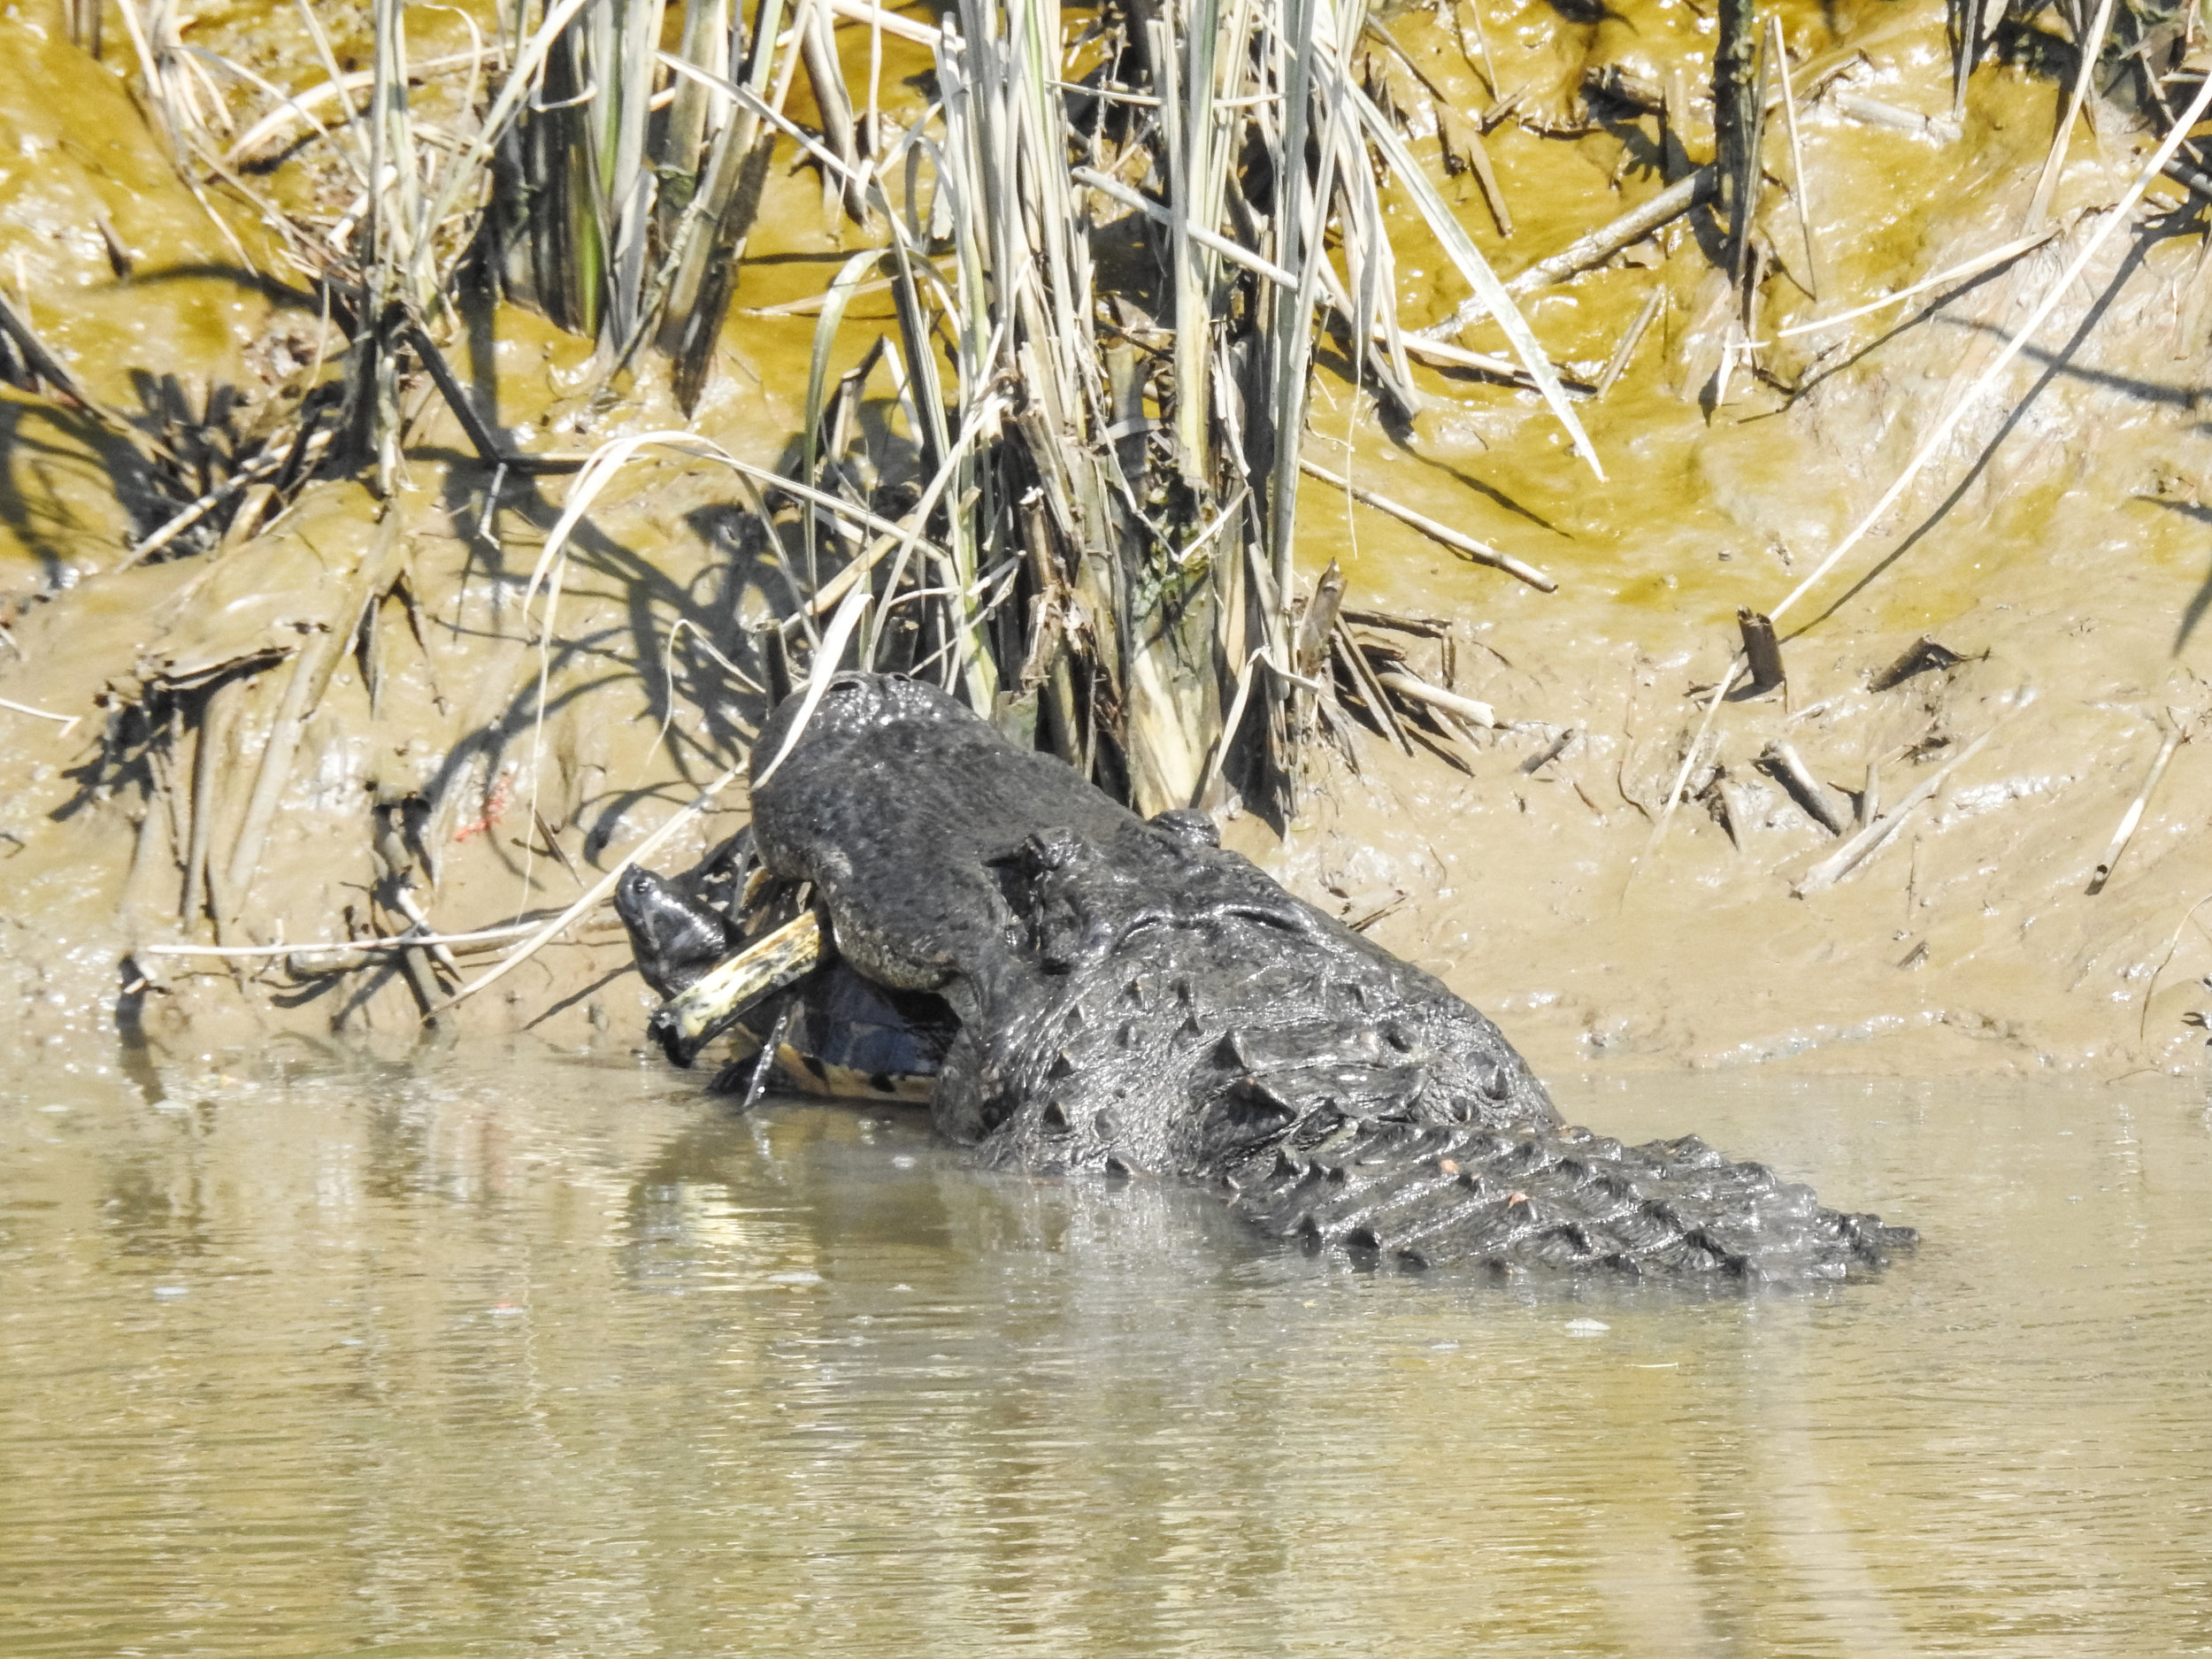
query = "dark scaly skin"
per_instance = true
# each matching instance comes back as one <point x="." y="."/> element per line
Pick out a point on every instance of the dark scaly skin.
<point x="846" y="1035"/>
<point x="1131" y="998"/>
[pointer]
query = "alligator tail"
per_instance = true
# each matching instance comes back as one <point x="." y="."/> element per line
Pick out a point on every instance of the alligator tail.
<point x="1557" y="1198"/>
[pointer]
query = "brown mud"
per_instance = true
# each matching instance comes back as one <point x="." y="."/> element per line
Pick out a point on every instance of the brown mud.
<point x="373" y="682"/>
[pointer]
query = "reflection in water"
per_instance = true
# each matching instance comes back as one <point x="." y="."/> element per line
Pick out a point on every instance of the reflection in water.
<point x="514" y="1355"/>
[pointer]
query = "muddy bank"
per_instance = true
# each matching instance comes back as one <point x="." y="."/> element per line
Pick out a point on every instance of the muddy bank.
<point x="296" y="734"/>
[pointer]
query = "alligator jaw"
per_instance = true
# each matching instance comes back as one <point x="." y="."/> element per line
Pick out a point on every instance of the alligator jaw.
<point x="689" y="1021"/>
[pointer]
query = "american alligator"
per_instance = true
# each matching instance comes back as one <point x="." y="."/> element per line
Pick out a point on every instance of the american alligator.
<point x="1099" y="993"/>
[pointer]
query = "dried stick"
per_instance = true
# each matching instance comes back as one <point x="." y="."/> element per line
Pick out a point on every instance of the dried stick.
<point x="1363" y="676"/>
<point x="66" y="720"/>
<point x="2133" y="816"/>
<point x="2142" y="1020"/>
<point x="2012" y="348"/>
<point x="1607" y="240"/>
<point x="1869" y="840"/>
<point x="1464" y="545"/>
<point x="1626" y="349"/>
<point x="2091" y="45"/>
<point x="1972" y="267"/>
<point x="1689" y="761"/>
<point x="599" y="892"/>
<point x="1450" y="702"/>
<point x="410" y="940"/>
<point x="1797" y="156"/>
<point x="1783" y="761"/>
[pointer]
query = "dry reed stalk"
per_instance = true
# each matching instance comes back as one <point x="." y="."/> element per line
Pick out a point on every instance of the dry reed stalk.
<point x="1801" y="195"/>
<point x="1451" y="703"/>
<point x="1617" y="365"/>
<point x="1466" y="546"/>
<point x="1959" y="272"/>
<point x="2018" y="341"/>
<point x="2133" y="816"/>
<point x="1870" y="840"/>
<point x="1594" y="249"/>
<point x="66" y="720"/>
<point x="2142" y="1018"/>
<point x="1782" y="760"/>
<point x="600" y="890"/>
<point x="2089" y="47"/>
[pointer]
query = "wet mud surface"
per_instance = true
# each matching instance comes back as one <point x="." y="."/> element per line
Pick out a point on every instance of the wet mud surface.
<point x="358" y="670"/>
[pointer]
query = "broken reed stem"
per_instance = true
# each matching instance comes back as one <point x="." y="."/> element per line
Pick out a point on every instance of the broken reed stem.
<point x="2012" y="348"/>
<point x="1234" y="252"/>
<point x="1973" y="267"/>
<point x="1626" y="349"/>
<point x="1412" y="686"/>
<point x="66" y="720"/>
<point x="1689" y="761"/>
<point x="2142" y="1019"/>
<point x="1870" y="840"/>
<point x="1781" y="59"/>
<point x="2090" y="46"/>
<point x="1603" y="244"/>
<point x="598" y="893"/>
<point x="340" y="947"/>
<point x="1465" y="545"/>
<point x="1783" y="760"/>
<point x="2133" y="816"/>
<point x="252" y="472"/>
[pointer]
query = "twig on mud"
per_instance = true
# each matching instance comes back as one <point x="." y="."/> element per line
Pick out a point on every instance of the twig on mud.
<point x="1689" y="762"/>
<point x="410" y="940"/>
<point x="1618" y="363"/>
<point x="1974" y="267"/>
<point x="1412" y="686"/>
<point x="1862" y="846"/>
<point x="1782" y="760"/>
<point x="596" y="895"/>
<point x="1550" y="752"/>
<point x="2133" y="816"/>
<point x="2143" y="1019"/>
<point x="2016" y="344"/>
<point x="1481" y="553"/>
<point x="252" y="472"/>
<point x="1781" y="60"/>
<point x="1607" y="240"/>
<point x="488" y="449"/>
<point x="1362" y="674"/>
<point x="2090" y="47"/>
<point x="66" y="720"/>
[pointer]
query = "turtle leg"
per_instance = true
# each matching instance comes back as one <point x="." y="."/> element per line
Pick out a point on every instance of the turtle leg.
<point x="747" y="1076"/>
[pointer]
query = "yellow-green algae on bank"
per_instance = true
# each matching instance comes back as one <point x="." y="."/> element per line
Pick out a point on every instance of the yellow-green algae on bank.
<point x="2067" y="564"/>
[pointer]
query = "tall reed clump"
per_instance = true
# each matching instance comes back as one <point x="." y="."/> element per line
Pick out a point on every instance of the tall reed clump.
<point x="1109" y="260"/>
<point x="1111" y="251"/>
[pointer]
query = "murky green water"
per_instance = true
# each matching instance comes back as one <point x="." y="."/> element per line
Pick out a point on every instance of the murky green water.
<point x="516" y="1356"/>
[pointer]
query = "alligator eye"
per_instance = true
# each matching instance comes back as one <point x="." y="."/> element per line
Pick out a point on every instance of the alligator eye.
<point x="1494" y="1083"/>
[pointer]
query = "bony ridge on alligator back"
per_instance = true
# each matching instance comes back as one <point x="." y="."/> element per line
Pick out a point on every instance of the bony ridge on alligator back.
<point x="1100" y="993"/>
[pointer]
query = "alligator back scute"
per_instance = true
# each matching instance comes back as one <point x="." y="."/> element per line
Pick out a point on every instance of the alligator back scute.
<point x="1545" y="1197"/>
